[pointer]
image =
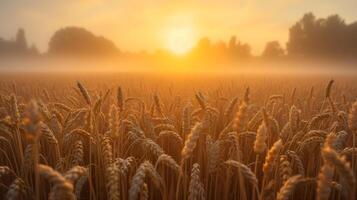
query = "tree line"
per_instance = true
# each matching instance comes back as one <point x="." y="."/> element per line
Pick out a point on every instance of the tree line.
<point x="310" y="37"/>
<point x="17" y="46"/>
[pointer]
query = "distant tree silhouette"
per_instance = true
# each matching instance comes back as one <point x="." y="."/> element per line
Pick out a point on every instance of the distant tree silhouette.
<point x="273" y="50"/>
<point x="79" y="41"/>
<point x="322" y="37"/>
<point x="21" y="40"/>
<point x="33" y="50"/>
<point x="233" y="49"/>
<point x="203" y="46"/>
<point x="238" y="49"/>
<point x="17" y="47"/>
<point x="352" y="35"/>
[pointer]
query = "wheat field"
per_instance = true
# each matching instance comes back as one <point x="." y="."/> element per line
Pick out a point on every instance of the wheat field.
<point x="131" y="137"/>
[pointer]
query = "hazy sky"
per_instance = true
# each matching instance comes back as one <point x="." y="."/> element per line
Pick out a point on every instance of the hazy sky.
<point x="136" y="25"/>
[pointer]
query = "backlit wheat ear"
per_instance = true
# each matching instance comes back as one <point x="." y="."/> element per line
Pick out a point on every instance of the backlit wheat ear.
<point x="89" y="123"/>
<point x="60" y="164"/>
<point x="328" y="89"/>
<point x="84" y="93"/>
<point x="246" y="171"/>
<point x="75" y="173"/>
<point x="288" y="188"/>
<point x="152" y="147"/>
<point x="240" y="120"/>
<point x="47" y="96"/>
<point x="63" y="107"/>
<point x="29" y="156"/>
<point x="113" y="181"/>
<point x="77" y="153"/>
<point x="16" y="189"/>
<point x="254" y="121"/>
<point x="342" y="167"/>
<point x="193" y="137"/>
<point x="15" y="109"/>
<point x="324" y="179"/>
<point x="342" y="118"/>
<point x="110" y="173"/>
<point x="196" y="189"/>
<point x="158" y="105"/>
<point x="201" y="101"/>
<point x="144" y="193"/>
<point x="339" y="141"/>
<point x="191" y="140"/>
<point x="316" y="120"/>
<point x="294" y="118"/>
<point x="260" y="139"/>
<point x="346" y="151"/>
<point x="97" y="106"/>
<point x="48" y="135"/>
<point x="164" y="127"/>
<point x="107" y="151"/>
<point x="76" y="133"/>
<point x="61" y="189"/>
<point x="271" y="156"/>
<point x="113" y="121"/>
<point x="44" y="110"/>
<point x="309" y="142"/>
<point x="285" y="132"/>
<point x="247" y="95"/>
<point x="297" y="161"/>
<point x="352" y="117"/>
<point x="5" y="170"/>
<point x="213" y="155"/>
<point x="79" y="186"/>
<point x="172" y="135"/>
<point x="123" y="166"/>
<point x="167" y="161"/>
<point x="276" y="97"/>
<point x="186" y="119"/>
<point x="284" y="168"/>
<point x="120" y="99"/>
<point x="145" y="170"/>
<point x="230" y="109"/>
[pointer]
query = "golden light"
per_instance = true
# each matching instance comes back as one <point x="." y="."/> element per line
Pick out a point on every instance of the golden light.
<point x="180" y="39"/>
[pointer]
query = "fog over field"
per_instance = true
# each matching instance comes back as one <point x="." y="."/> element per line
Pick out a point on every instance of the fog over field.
<point x="178" y="100"/>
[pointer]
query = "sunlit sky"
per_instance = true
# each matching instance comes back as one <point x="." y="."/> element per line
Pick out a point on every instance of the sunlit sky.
<point x="137" y="25"/>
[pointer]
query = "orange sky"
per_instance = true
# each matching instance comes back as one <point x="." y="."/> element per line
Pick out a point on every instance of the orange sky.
<point x="148" y="24"/>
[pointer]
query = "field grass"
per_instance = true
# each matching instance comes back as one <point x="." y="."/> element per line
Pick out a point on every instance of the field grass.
<point x="188" y="136"/>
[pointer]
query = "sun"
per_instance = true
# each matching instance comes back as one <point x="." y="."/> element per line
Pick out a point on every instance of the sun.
<point x="180" y="39"/>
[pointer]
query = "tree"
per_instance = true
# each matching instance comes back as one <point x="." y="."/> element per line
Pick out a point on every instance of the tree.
<point x="17" y="47"/>
<point x="238" y="49"/>
<point x="78" y="41"/>
<point x="21" y="42"/>
<point x="324" y="37"/>
<point x="33" y="50"/>
<point x="301" y="35"/>
<point x="273" y="50"/>
<point x="232" y="43"/>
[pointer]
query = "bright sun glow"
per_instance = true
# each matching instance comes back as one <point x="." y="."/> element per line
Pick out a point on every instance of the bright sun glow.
<point x="180" y="39"/>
